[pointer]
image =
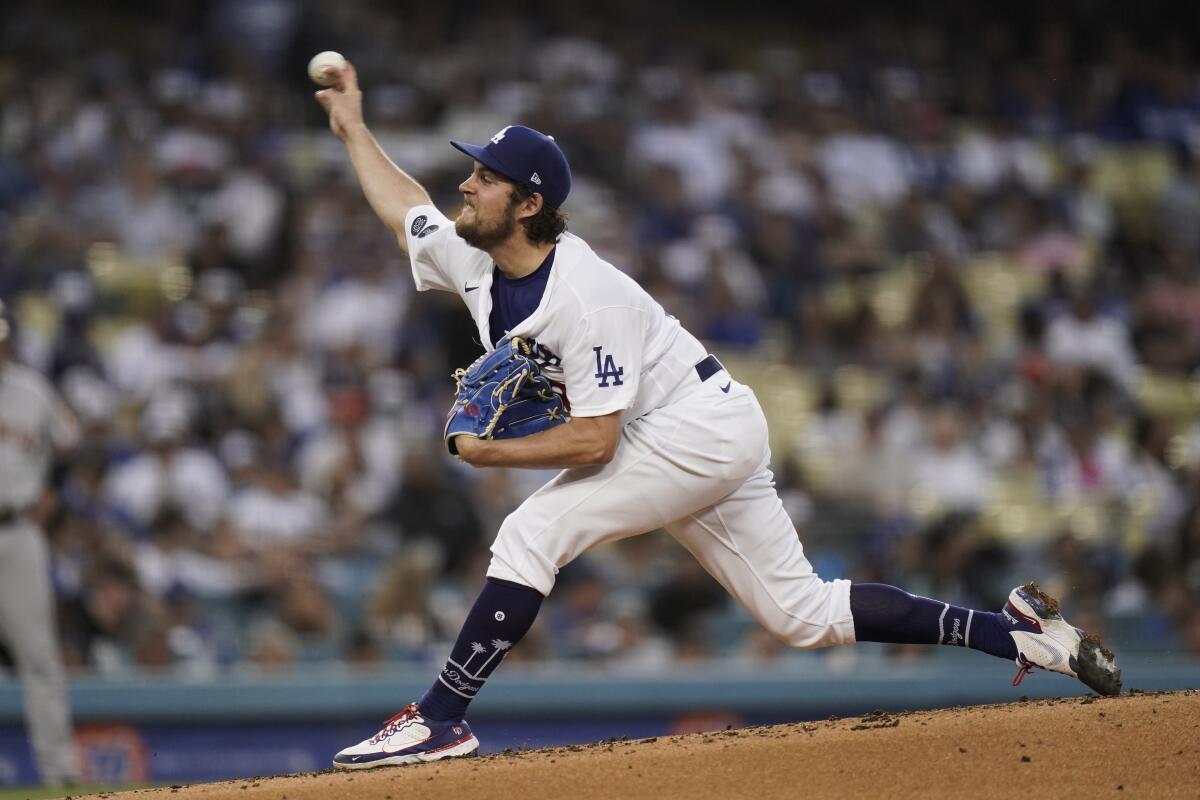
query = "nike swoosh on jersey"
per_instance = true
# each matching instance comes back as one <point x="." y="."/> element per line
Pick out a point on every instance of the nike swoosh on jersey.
<point x="469" y="288"/>
<point x="725" y="388"/>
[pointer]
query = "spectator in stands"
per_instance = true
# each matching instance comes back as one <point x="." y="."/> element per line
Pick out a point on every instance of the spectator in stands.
<point x="947" y="469"/>
<point x="1179" y="207"/>
<point x="432" y="506"/>
<point x="99" y="627"/>
<point x="170" y="471"/>
<point x="1084" y="338"/>
<point x="273" y="513"/>
<point x="356" y="456"/>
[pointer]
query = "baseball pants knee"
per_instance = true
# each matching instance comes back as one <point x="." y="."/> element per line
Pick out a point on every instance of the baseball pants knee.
<point x="698" y="469"/>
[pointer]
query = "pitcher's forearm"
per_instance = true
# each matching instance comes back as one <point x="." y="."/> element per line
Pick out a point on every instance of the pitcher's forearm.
<point x="582" y="442"/>
<point x="390" y="190"/>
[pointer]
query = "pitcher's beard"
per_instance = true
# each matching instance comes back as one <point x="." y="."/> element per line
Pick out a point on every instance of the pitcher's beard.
<point x="485" y="238"/>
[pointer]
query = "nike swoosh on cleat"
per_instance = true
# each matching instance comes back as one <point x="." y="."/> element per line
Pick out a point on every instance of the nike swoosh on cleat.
<point x="469" y="288"/>
<point x="725" y="388"/>
<point x="386" y="749"/>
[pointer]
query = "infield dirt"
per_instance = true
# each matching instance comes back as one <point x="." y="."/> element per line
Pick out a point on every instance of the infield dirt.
<point x="1136" y="745"/>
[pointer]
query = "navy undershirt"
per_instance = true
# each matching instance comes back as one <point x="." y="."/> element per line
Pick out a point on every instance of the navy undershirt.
<point x="514" y="299"/>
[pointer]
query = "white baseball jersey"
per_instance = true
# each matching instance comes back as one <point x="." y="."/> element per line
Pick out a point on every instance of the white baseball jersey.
<point x="692" y="456"/>
<point x="596" y="334"/>
<point x="33" y="421"/>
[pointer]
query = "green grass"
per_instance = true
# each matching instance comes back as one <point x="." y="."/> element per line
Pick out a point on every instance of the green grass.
<point x="43" y="793"/>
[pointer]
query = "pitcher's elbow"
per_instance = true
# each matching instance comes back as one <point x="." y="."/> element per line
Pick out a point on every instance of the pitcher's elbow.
<point x="605" y="453"/>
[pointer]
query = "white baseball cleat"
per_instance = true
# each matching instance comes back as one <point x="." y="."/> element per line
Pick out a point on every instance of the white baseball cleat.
<point x="409" y="738"/>
<point x="1046" y="641"/>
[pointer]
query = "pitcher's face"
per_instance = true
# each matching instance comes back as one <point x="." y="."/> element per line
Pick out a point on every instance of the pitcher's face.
<point x="489" y="215"/>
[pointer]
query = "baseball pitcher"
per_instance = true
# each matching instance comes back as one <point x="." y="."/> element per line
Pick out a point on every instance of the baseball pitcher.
<point x="34" y="422"/>
<point x="650" y="431"/>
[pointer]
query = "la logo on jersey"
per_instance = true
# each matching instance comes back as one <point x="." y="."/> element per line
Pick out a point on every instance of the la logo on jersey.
<point x="607" y="369"/>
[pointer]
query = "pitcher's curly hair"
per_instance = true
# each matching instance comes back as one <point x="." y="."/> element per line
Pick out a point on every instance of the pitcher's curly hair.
<point x="545" y="226"/>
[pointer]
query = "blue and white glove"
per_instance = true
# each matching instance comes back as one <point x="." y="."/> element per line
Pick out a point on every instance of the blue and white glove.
<point x="503" y="395"/>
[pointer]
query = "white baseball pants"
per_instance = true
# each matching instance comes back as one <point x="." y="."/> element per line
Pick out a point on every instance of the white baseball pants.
<point x="697" y="468"/>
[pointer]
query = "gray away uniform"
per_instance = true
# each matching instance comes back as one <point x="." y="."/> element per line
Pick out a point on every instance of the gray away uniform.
<point x="33" y="422"/>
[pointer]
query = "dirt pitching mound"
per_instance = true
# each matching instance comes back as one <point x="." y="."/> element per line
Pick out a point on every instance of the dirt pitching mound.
<point x="1137" y="745"/>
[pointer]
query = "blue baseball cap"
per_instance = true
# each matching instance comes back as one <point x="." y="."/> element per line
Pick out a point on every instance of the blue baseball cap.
<point x="528" y="157"/>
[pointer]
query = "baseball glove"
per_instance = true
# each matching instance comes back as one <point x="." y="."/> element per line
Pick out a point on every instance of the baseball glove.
<point x="502" y="395"/>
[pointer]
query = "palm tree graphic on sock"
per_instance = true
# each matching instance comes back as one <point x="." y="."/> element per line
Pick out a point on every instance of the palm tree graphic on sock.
<point x="501" y="646"/>
<point x="477" y="648"/>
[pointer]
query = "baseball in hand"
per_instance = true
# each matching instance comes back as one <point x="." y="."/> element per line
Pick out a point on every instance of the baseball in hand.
<point x="324" y="66"/>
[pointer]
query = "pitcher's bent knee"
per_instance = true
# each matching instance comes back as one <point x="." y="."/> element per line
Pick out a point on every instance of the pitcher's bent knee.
<point x="821" y="619"/>
<point x="516" y="559"/>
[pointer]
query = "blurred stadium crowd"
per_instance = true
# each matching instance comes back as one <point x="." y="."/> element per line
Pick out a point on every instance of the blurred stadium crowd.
<point x="960" y="262"/>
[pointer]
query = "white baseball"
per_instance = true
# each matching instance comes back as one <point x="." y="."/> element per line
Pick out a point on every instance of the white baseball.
<point x="323" y="67"/>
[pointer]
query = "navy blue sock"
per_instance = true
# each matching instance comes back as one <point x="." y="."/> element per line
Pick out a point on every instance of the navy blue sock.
<point x="502" y="614"/>
<point x="886" y="614"/>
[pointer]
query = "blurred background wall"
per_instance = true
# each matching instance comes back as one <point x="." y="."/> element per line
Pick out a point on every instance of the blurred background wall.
<point x="956" y="253"/>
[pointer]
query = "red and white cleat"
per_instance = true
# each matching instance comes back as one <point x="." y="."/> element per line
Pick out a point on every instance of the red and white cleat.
<point x="409" y="738"/>
<point x="1046" y="641"/>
